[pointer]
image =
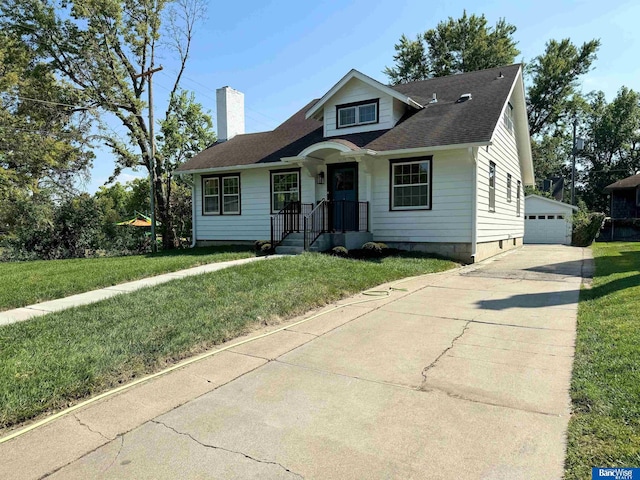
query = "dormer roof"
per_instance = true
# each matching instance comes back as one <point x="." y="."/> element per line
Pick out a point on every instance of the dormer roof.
<point x="317" y="111"/>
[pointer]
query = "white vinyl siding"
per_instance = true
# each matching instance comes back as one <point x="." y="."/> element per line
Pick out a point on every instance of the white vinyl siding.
<point x="504" y="222"/>
<point x="254" y="223"/>
<point x="448" y="220"/>
<point x="356" y="91"/>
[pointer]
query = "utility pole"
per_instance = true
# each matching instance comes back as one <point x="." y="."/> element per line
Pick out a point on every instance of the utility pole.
<point x="152" y="165"/>
<point x="573" y="165"/>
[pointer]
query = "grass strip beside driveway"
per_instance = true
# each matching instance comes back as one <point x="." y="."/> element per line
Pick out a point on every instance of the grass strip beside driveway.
<point x="26" y="283"/>
<point x="50" y="362"/>
<point x="604" y="430"/>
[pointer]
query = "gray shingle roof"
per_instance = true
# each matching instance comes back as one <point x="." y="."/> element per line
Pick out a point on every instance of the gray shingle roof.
<point x="443" y="123"/>
<point x="629" y="182"/>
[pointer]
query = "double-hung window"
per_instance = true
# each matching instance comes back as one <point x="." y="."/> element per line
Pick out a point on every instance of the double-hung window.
<point x="508" y="117"/>
<point x="508" y="187"/>
<point x="361" y="113"/>
<point x="492" y="187"/>
<point x="285" y="188"/>
<point x="411" y="184"/>
<point x="221" y="195"/>
<point x="518" y="199"/>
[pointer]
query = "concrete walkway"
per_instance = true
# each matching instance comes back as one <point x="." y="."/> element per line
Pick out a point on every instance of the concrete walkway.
<point x="39" y="309"/>
<point x="464" y="375"/>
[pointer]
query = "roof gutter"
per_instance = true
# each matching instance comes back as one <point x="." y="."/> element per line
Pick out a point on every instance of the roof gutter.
<point x="436" y="148"/>
<point x="232" y="168"/>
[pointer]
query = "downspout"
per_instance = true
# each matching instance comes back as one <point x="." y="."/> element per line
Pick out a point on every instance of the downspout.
<point x="193" y="211"/>
<point x="473" y="151"/>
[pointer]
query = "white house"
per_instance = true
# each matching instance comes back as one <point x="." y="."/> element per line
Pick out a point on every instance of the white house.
<point x="547" y="220"/>
<point x="436" y="165"/>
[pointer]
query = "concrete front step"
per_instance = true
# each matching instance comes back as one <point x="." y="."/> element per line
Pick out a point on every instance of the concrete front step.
<point x="288" y="250"/>
<point x="292" y="242"/>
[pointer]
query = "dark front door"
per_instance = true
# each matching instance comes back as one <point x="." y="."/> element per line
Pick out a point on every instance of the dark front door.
<point x="343" y="195"/>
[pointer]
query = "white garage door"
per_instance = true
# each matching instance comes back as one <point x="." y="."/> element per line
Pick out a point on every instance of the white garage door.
<point x="547" y="228"/>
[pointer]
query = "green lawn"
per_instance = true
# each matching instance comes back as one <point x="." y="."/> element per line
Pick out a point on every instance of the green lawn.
<point x="49" y="362"/>
<point x="604" y="430"/>
<point x="26" y="283"/>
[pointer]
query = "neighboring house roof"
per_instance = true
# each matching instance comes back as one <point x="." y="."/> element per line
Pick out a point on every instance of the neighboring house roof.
<point x="630" y="182"/>
<point x="550" y="201"/>
<point x="447" y="122"/>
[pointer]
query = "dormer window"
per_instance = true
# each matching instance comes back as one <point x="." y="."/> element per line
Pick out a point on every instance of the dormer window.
<point x="360" y="113"/>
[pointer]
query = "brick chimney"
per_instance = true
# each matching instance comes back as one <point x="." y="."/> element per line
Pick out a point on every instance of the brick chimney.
<point x="230" y="104"/>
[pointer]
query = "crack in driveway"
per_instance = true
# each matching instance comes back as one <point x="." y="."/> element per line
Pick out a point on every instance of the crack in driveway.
<point x="206" y="445"/>
<point x="92" y="430"/>
<point x="455" y="339"/>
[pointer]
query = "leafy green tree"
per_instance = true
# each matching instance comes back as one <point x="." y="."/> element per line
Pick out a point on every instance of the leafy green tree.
<point x="100" y="48"/>
<point x="554" y="80"/>
<point x="613" y="149"/>
<point x="43" y="144"/>
<point x="458" y="45"/>
<point x="410" y="61"/>
<point x="185" y="131"/>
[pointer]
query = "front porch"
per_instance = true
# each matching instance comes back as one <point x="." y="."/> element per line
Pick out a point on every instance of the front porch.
<point x="300" y="227"/>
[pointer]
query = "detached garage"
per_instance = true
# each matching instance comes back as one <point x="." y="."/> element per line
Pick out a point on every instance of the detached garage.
<point x="547" y="220"/>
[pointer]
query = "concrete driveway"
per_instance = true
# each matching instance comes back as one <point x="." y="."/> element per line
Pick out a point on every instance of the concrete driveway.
<point x="463" y="375"/>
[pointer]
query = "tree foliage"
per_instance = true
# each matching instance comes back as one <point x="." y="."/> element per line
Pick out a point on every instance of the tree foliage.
<point x="100" y="48"/>
<point x="553" y="81"/>
<point x="458" y="45"/>
<point x="613" y="148"/>
<point x="43" y="144"/>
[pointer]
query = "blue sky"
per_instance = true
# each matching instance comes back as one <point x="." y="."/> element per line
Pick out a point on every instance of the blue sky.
<point x="282" y="54"/>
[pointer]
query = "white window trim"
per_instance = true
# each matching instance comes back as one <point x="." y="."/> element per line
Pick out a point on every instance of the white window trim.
<point x="356" y="117"/>
<point x="220" y="179"/>
<point x="492" y="188"/>
<point x="273" y="191"/>
<point x="223" y="195"/>
<point x="394" y="164"/>
<point x="205" y="196"/>
<point x="508" y="117"/>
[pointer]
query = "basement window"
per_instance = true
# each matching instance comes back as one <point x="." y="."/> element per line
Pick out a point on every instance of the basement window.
<point x="359" y="113"/>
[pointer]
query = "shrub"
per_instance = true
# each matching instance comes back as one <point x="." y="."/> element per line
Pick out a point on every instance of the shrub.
<point x="266" y="248"/>
<point x="257" y="245"/>
<point x="586" y="227"/>
<point x="340" y="252"/>
<point x="372" y="249"/>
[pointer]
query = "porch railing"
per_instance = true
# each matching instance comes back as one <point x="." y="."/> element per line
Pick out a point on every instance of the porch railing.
<point x="335" y="216"/>
<point x="316" y="223"/>
<point x="288" y="220"/>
